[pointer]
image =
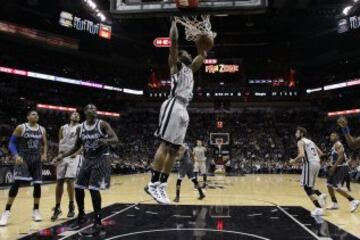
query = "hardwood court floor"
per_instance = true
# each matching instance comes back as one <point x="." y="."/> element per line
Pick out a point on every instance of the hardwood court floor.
<point x="256" y="190"/>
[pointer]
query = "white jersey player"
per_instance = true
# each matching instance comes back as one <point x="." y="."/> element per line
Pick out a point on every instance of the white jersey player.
<point x="174" y="117"/>
<point x="310" y="154"/>
<point x="67" y="168"/>
<point x="199" y="153"/>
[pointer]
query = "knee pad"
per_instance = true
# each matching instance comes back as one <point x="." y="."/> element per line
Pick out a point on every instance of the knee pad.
<point x="309" y="191"/>
<point x="14" y="189"/>
<point x="37" y="191"/>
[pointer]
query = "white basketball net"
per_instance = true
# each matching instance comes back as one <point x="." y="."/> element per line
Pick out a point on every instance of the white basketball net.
<point x="195" y="26"/>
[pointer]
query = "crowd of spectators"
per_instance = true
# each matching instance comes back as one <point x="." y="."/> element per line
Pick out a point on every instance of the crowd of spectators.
<point x="262" y="141"/>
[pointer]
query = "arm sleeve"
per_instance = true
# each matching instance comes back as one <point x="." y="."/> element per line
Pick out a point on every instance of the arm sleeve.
<point x="12" y="145"/>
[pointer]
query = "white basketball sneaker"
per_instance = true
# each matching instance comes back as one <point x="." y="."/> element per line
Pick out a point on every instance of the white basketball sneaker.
<point x="152" y="190"/>
<point x="4" y="218"/>
<point x="163" y="194"/>
<point x="333" y="206"/>
<point x="36" y="215"/>
<point x="317" y="212"/>
<point x="322" y="200"/>
<point x="354" y="205"/>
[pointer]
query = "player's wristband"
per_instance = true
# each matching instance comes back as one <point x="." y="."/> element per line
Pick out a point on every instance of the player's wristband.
<point x="345" y="130"/>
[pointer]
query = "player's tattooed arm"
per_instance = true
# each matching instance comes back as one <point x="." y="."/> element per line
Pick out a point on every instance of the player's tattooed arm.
<point x="76" y="147"/>
<point x="173" y="54"/>
<point x="301" y="152"/>
<point x="112" y="137"/>
<point x="45" y="145"/>
<point x="353" y="142"/>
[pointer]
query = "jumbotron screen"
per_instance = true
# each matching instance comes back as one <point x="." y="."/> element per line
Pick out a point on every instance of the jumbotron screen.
<point x="223" y="70"/>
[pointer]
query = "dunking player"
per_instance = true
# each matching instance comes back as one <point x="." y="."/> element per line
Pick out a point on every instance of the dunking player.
<point x="25" y="145"/>
<point x="67" y="168"/>
<point x="337" y="172"/>
<point x="353" y="142"/>
<point x="174" y="118"/>
<point x="186" y="168"/>
<point x="95" y="136"/>
<point x="310" y="154"/>
<point x="200" y="161"/>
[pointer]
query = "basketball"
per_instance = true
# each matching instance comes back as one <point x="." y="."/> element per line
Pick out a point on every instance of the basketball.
<point x="204" y="42"/>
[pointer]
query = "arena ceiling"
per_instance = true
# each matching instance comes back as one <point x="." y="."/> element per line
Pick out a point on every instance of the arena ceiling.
<point x="296" y="33"/>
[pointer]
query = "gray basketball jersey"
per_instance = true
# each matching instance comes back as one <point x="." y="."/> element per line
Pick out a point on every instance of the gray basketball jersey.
<point x="69" y="138"/>
<point x="31" y="139"/>
<point x="311" y="154"/>
<point x="182" y="84"/>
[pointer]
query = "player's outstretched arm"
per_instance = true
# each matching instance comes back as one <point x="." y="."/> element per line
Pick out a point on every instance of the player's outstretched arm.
<point x="199" y="59"/>
<point x="173" y="54"/>
<point x="353" y="142"/>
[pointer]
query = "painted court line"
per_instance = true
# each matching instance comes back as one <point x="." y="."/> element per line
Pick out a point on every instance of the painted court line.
<point x="299" y="223"/>
<point x="110" y="216"/>
<point x="186" y="229"/>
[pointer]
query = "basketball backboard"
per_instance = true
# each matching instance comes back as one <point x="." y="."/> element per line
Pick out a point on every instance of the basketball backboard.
<point x="215" y="137"/>
<point x="164" y="8"/>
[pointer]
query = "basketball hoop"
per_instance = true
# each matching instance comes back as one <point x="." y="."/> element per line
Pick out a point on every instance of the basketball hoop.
<point x="195" y="26"/>
<point x="219" y="142"/>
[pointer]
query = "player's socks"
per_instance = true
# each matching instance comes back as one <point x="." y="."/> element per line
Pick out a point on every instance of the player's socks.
<point x="350" y="198"/>
<point x="178" y="185"/>
<point x="36" y="206"/>
<point x="317" y="192"/>
<point x="197" y="186"/>
<point x="155" y="176"/>
<point x="316" y="203"/>
<point x="204" y="181"/>
<point x="164" y="177"/>
<point x="333" y="199"/>
<point x="57" y="205"/>
<point x="8" y="207"/>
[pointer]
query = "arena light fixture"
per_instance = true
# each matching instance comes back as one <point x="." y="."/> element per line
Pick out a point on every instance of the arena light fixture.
<point x="92" y="5"/>
<point x="79" y="82"/>
<point x="308" y="91"/>
<point x="346" y="10"/>
<point x="344" y="112"/>
<point x="72" y="109"/>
